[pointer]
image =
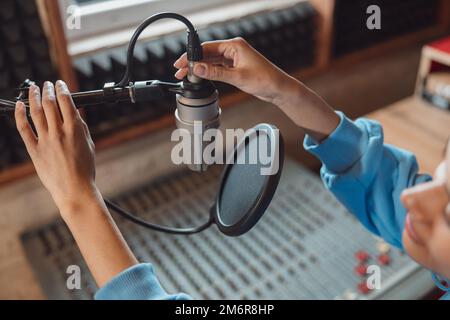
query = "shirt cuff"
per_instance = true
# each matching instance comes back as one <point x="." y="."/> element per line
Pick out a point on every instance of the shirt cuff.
<point x="138" y="282"/>
<point x="342" y="148"/>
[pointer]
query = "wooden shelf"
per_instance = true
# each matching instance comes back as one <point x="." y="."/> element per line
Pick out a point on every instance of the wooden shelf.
<point x="430" y="134"/>
<point x="16" y="172"/>
<point x="396" y="43"/>
<point x="168" y="120"/>
<point x="49" y="11"/>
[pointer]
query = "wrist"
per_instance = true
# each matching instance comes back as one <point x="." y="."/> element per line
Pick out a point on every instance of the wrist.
<point x="78" y="201"/>
<point x="306" y="109"/>
<point x="288" y="91"/>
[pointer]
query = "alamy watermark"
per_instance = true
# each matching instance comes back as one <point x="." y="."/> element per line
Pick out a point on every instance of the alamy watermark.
<point x="373" y="280"/>
<point x="374" y="20"/>
<point x="73" y="281"/>
<point x="73" y="20"/>
<point x="211" y="146"/>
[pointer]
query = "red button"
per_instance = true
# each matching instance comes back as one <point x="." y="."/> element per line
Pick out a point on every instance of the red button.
<point x="363" y="288"/>
<point x="361" y="270"/>
<point x="362" y="256"/>
<point x="384" y="259"/>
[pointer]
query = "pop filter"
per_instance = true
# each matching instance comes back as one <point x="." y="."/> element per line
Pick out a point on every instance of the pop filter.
<point x="247" y="186"/>
<point x="249" y="180"/>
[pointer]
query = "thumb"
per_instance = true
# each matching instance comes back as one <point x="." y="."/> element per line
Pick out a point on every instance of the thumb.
<point x="213" y="72"/>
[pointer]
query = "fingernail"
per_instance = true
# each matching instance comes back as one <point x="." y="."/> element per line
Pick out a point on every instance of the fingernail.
<point x="19" y="104"/>
<point x="48" y="85"/>
<point x="175" y="64"/>
<point x="62" y="85"/>
<point x="200" y="70"/>
<point x="50" y="89"/>
<point x="177" y="73"/>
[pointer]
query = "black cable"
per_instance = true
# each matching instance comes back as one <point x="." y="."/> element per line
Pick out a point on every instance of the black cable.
<point x="8" y="107"/>
<point x="7" y="103"/>
<point x="156" y="227"/>
<point x="194" y="52"/>
<point x="127" y="77"/>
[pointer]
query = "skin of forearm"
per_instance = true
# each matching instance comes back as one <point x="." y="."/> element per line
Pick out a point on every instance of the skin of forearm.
<point x="100" y="241"/>
<point x="306" y="109"/>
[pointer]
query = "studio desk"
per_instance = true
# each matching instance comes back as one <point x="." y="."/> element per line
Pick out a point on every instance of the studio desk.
<point x="410" y="124"/>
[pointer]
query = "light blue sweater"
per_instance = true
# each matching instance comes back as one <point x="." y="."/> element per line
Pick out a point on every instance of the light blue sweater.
<point x="365" y="174"/>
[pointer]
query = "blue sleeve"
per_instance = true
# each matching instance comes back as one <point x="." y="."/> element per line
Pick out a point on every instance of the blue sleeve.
<point x="366" y="175"/>
<point x="138" y="282"/>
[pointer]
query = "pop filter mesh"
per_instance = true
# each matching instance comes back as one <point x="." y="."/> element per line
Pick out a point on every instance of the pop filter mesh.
<point x="243" y="183"/>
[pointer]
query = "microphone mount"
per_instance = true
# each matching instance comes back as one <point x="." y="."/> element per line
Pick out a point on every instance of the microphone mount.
<point x="139" y="91"/>
<point x="126" y="90"/>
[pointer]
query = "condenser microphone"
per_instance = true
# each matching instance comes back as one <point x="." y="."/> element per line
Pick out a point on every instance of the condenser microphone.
<point x="197" y="111"/>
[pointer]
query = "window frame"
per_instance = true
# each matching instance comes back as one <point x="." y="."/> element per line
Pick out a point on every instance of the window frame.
<point x="97" y="18"/>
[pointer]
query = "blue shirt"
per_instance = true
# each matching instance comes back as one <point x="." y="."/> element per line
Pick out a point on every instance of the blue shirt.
<point x="363" y="172"/>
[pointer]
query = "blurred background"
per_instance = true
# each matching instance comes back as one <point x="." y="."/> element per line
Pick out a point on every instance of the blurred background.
<point x="324" y="43"/>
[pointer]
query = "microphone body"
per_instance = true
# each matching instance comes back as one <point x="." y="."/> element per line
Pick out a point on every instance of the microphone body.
<point x="196" y="116"/>
<point x="197" y="111"/>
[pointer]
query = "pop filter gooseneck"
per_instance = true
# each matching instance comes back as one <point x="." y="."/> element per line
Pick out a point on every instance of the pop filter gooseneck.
<point x="248" y="184"/>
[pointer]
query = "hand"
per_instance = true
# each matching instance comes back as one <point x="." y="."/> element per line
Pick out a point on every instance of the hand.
<point x="63" y="151"/>
<point x="63" y="155"/>
<point x="239" y="64"/>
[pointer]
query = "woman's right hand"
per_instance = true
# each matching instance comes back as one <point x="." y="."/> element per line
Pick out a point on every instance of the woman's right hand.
<point x="237" y="63"/>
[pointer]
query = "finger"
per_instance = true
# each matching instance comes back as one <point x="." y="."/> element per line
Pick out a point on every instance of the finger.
<point x="214" y="72"/>
<point x="36" y="110"/>
<point x="24" y="128"/>
<point x="68" y="110"/>
<point x="217" y="60"/>
<point x="210" y="49"/>
<point x="87" y="133"/>
<point x="180" y="74"/>
<point x="50" y="105"/>
<point x="221" y="61"/>
<point x="216" y="48"/>
<point x="85" y="128"/>
<point x="181" y="61"/>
